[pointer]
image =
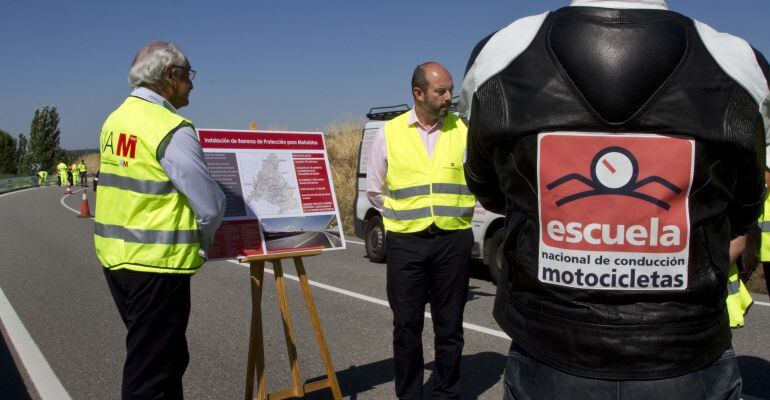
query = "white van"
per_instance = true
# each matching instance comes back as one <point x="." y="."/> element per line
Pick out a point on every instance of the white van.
<point x="487" y="226"/>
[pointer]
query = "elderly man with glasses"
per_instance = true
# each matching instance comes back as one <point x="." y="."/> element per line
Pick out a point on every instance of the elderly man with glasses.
<point x="156" y="216"/>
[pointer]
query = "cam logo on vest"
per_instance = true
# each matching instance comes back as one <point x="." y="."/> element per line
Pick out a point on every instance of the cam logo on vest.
<point x="614" y="210"/>
<point x="126" y="145"/>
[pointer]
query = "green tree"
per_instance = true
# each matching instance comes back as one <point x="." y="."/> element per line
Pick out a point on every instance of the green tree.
<point x="23" y="157"/>
<point x="7" y="154"/>
<point x="44" y="138"/>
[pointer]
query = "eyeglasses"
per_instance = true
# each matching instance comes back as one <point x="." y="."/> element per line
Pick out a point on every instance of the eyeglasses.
<point x="190" y="72"/>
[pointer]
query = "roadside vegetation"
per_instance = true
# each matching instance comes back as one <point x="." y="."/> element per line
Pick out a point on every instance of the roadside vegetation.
<point x="342" y="142"/>
<point x="24" y="155"/>
<point x="756" y="283"/>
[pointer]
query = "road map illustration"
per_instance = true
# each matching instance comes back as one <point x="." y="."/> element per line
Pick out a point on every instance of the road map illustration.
<point x="272" y="190"/>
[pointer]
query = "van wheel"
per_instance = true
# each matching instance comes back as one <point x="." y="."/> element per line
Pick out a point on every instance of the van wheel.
<point x="374" y="240"/>
<point x="495" y="246"/>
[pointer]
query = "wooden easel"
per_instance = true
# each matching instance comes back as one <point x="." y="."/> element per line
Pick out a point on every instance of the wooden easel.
<point x="256" y="358"/>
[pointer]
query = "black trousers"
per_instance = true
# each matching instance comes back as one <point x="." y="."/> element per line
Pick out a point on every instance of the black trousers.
<point x="428" y="268"/>
<point x="155" y="309"/>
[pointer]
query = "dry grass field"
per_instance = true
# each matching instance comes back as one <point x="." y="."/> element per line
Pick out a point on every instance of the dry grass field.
<point x="756" y="283"/>
<point x="342" y="142"/>
<point x="92" y="162"/>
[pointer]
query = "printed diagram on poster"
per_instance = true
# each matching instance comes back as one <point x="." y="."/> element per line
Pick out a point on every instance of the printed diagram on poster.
<point x="272" y="188"/>
<point x="280" y="196"/>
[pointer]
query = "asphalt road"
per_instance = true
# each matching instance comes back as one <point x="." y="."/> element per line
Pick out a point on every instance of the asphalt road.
<point x="52" y="279"/>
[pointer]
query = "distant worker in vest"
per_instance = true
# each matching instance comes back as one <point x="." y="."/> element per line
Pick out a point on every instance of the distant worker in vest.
<point x="62" y="170"/>
<point x="739" y="299"/>
<point x="83" y="169"/>
<point x="155" y="219"/>
<point x="764" y="226"/>
<point x="75" y="175"/>
<point x="42" y="176"/>
<point x="625" y="144"/>
<point x="415" y="178"/>
<point x="69" y="175"/>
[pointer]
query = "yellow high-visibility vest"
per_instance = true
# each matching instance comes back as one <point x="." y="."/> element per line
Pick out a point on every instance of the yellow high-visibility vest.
<point x="82" y="168"/>
<point x="422" y="191"/>
<point x="764" y="225"/>
<point x="142" y="222"/>
<point x="738" y="298"/>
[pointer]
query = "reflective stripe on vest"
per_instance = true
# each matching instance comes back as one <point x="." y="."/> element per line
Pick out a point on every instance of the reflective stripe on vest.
<point x="449" y="211"/>
<point x="764" y="225"/>
<point x="142" y="222"/>
<point x="135" y="185"/>
<point x="445" y="188"/>
<point x="738" y="298"/>
<point x="146" y="236"/>
<point x="405" y="193"/>
<point x="451" y="188"/>
<point x="421" y="190"/>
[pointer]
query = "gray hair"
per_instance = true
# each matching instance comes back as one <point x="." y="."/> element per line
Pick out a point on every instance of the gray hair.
<point x="150" y="62"/>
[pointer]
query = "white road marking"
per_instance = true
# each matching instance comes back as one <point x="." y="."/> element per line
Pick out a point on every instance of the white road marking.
<point x="68" y="207"/>
<point x="353" y="241"/>
<point x="315" y="234"/>
<point x="40" y="373"/>
<point x="467" y="325"/>
<point x="16" y="191"/>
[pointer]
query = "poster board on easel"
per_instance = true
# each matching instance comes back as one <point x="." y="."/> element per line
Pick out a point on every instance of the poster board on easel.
<point x="279" y="189"/>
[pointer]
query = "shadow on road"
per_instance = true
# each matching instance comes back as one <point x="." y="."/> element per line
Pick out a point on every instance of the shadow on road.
<point x="755" y="372"/>
<point x="479" y="270"/>
<point x="479" y="373"/>
<point x="11" y="384"/>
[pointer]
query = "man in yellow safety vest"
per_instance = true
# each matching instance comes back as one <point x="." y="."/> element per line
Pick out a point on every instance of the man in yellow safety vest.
<point x="42" y="176"/>
<point x="83" y="169"/>
<point x="156" y="216"/>
<point x="415" y="177"/>
<point x="62" y="169"/>
<point x="764" y="225"/>
<point x="738" y="299"/>
<point x="75" y="174"/>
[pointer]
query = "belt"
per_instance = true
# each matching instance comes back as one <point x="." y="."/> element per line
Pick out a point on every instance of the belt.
<point x="432" y="231"/>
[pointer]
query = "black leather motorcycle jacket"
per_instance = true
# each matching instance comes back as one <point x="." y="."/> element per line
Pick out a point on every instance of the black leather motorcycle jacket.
<point x="626" y="149"/>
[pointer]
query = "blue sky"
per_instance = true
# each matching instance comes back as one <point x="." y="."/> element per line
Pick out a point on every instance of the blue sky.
<point x="295" y="65"/>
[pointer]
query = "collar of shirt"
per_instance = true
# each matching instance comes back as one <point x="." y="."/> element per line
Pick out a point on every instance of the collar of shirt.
<point x="413" y="120"/>
<point x="650" y="4"/>
<point x="149" y="95"/>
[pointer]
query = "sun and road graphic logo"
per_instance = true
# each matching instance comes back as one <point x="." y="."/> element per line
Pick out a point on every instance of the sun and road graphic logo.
<point x="614" y="210"/>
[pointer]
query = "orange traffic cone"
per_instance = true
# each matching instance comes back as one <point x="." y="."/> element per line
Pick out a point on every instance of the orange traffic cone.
<point x="85" y="212"/>
<point x="69" y="190"/>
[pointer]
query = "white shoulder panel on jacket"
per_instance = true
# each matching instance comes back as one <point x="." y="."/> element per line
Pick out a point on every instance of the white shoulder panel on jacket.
<point x="736" y="58"/>
<point x="501" y="49"/>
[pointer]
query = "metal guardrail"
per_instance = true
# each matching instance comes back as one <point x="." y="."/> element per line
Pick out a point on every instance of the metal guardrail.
<point x="22" y="182"/>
